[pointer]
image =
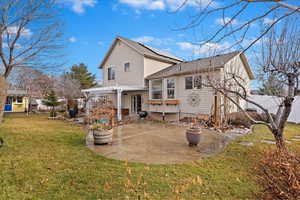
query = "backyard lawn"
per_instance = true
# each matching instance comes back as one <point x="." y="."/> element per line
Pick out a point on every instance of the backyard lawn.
<point x="45" y="159"/>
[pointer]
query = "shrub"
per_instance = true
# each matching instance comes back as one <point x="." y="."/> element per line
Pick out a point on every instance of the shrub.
<point x="279" y="176"/>
<point x="1" y="142"/>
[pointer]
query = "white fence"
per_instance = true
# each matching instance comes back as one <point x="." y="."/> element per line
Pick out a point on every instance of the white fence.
<point x="271" y="103"/>
<point x="42" y="107"/>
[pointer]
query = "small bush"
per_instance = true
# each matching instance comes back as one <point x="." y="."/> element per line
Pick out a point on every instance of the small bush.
<point x="279" y="176"/>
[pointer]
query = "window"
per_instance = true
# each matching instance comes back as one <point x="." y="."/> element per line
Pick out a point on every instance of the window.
<point x="193" y="82"/>
<point x="9" y="100"/>
<point x="127" y="67"/>
<point x="156" y="89"/>
<point x="197" y="82"/>
<point x="170" y="88"/>
<point x="111" y="73"/>
<point x="19" y="99"/>
<point x="189" y="83"/>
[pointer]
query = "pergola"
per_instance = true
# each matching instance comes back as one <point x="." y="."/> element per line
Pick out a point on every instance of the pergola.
<point x="113" y="89"/>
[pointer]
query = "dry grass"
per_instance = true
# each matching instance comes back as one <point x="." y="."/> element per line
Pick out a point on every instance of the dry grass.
<point x="46" y="159"/>
<point x="279" y="175"/>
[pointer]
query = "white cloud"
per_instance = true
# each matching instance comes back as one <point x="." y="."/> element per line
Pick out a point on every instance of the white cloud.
<point x="14" y="29"/>
<point x="17" y="45"/>
<point x="167" y="4"/>
<point x="267" y="20"/>
<point x="100" y="43"/>
<point x="144" y="39"/>
<point x="186" y="45"/>
<point x="72" y="39"/>
<point x="223" y="21"/>
<point x="206" y="49"/>
<point x="145" y="4"/>
<point x="175" y="4"/>
<point x="78" y="6"/>
<point x="153" y="40"/>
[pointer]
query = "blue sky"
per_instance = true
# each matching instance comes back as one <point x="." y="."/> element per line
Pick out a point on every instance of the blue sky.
<point x="92" y="25"/>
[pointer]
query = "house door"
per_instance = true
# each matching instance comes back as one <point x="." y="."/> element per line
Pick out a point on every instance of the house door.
<point x="8" y="104"/>
<point x="136" y="104"/>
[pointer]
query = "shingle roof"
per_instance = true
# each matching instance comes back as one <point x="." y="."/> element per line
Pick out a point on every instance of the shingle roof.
<point x="146" y="51"/>
<point x="16" y="92"/>
<point x="198" y="65"/>
<point x="150" y="51"/>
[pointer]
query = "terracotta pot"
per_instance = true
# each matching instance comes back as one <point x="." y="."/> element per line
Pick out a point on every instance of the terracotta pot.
<point x="193" y="136"/>
<point x="102" y="137"/>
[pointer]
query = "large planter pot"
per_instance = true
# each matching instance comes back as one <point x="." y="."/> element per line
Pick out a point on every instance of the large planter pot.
<point x="102" y="137"/>
<point x="193" y="136"/>
<point x="143" y="114"/>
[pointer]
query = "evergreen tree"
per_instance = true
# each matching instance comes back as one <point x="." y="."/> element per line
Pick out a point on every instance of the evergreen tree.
<point x="80" y="73"/>
<point x="51" y="100"/>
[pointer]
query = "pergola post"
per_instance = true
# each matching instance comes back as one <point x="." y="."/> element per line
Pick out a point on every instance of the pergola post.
<point x="119" y="104"/>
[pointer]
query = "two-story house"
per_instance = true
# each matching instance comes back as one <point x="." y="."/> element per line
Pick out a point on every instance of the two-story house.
<point x="125" y="68"/>
<point x="138" y="78"/>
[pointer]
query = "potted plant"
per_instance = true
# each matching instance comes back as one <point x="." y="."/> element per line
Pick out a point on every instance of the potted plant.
<point x="193" y="134"/>
<point x="143" y="114"/>
<point x="102" y="133"/>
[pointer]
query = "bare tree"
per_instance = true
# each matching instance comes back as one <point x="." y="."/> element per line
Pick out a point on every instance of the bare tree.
<point x="67" y="87"/>
<point x="30" y="35"/>
<point x="237" y="24"/>
<point x="36" y="83"/>
<point x="236" y="19"/>
<point x="279" y="57"/>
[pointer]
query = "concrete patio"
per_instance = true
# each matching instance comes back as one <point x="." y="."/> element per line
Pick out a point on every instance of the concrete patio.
<point x="157" y="143"/>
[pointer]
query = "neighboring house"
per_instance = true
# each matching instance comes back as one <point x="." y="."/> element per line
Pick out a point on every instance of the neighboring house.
<point x="41" y="107"/>
<point x="16" y="101"/>
<point x="138" y="78"/>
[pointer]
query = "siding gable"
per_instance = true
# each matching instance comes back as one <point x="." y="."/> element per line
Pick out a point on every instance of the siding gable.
<point x="120" y="54"/>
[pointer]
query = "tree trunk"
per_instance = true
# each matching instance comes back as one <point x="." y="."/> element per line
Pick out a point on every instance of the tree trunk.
<point x="280" y="143"/>
<point x="283" y="113"/>
<point x="3" y="95"/>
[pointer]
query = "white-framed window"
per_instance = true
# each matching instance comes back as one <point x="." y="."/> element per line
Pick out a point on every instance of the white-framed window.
<point x="197" y="82"/>
<point x="19" y="100"/>
<point x="156" y="89"/>
<point x="170" y="88"/>
<point x="127" y="67"/>
<point x="193" y="82"/>
<point x="188" y="82"/>
<point x="111" y="73"/>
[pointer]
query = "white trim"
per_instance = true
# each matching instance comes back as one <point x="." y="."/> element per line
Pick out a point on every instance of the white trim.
<point x="174" y="79"/>
<point x="113" y="68"/>
<point x="162" y="88"/>
<point x="113" y="88"/>
<point x="193" y="81"/>
<point x="129" y="70"/>
<point x="119" y="104"/>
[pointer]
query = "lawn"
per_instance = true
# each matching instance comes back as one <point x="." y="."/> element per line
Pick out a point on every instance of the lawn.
<point x="45" y="159"/>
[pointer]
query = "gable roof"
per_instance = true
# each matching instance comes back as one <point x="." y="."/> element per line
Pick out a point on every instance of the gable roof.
<point x="144" y="50"/>
<point x="200" y="65"/>
<point x="16" y="92"/>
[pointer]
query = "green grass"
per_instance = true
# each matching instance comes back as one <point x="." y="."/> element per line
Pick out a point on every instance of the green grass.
<point x="45" y="159"/>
